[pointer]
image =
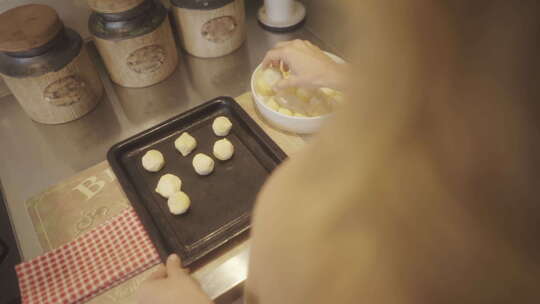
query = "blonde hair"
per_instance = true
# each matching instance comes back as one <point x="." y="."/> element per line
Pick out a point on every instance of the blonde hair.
<point x="424" y="189"/>
<point x="445" y="105"/>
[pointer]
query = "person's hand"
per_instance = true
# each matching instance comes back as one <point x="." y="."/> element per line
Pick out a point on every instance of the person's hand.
<point x="309" y="66"/>
<point x="171" y="284"/>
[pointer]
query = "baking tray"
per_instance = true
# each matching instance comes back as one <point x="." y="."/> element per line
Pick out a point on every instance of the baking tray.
<point x="9" y="257"/>
<point x="221" y="202"/>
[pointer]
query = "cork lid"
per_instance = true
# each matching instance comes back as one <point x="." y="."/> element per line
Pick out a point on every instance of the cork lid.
<point x="27" y="27"/>
<point x="113" y="6"/>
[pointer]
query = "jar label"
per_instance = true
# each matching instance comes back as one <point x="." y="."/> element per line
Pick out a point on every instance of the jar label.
<point x="147" y="59"/>
<point x="66" y="91"/>
<point x="219" y="29"/>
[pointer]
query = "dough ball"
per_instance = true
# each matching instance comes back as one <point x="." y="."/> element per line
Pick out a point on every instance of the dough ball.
<point x="168" y="185"/>
<point x="339" y="98"/>
<point x="178" y="203"/>
<point x="329" y="92"/>
<point x="296" y="114"/>
<point x="203" y="164"/>
<point x="272" y="104"/>
<point x="318" y="106"/>
<point x="222" y="126"/>
<point x="223" y="149"/>
<point x="185" y="144"/>
<point x="271" y="76"/>
<point x="285" y="111"/>
<point x="153" y="161"/>
<point x="304" y="94"/>
<point x="266" y="79"/>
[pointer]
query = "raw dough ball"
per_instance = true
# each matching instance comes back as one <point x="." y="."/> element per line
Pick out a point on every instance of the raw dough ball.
<point x="318" y="106"/>
<point x="222" y="126"/>
<point x="272" y="104"/>
<point x="329" y="92"/>
<point x="203" y="164"/>
<point x="266" y="80"/>
<point x="339" y="98"/>
<point x="223" y="149"/>
<point x="185" y="143"/>
<point x="168" y="185"/>
<point x="285" y="111"/>
<point x="178" y="203"/>
<point x="304" y="94"/>
<point x="153" y="161"/>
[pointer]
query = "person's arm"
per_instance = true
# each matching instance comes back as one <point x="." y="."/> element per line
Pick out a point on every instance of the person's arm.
<point x="310" y="67"/>
<point x="171" y="284"/>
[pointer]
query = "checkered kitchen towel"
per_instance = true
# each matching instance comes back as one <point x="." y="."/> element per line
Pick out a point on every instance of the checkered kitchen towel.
<point x="100" y="259"/>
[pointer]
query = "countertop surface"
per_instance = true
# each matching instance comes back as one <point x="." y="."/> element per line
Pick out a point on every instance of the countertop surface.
<point x="34" y="157"/>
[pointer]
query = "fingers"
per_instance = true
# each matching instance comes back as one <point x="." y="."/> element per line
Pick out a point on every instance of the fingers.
<point x="160" y="273"/>
<point x="279" y="53"/>
<point x="283" y="84"/>
<point x="174" y="266"/>
<point x="274" y="63"/>
<point x="272" y="57"/>
<point x="282" y="51"/>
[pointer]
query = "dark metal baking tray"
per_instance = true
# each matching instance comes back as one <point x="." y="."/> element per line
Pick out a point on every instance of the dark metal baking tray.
<point x="221" y="202"/>
<point x="9" y="257"/>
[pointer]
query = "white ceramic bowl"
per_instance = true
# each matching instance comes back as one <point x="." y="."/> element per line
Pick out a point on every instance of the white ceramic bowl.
<point x="301" y="125"/>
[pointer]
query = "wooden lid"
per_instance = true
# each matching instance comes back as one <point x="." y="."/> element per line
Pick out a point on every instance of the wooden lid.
<point x="113" y="6"/>
<point x="29" y="26"/>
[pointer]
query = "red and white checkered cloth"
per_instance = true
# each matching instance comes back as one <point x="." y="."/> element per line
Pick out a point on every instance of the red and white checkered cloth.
<point x="100" y="259"/>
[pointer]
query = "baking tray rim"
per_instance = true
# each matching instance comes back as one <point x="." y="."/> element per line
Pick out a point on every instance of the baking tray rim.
<point x="144" y="215"/>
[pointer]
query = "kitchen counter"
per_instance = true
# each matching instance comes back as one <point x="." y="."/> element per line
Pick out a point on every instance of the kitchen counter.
<point x="34" y="157"/>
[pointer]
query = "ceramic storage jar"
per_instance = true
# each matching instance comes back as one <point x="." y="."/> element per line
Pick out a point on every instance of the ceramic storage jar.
<point x="135" y="40"/>
<point x="46" y="65"/>
<point x="210" y="28"/>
